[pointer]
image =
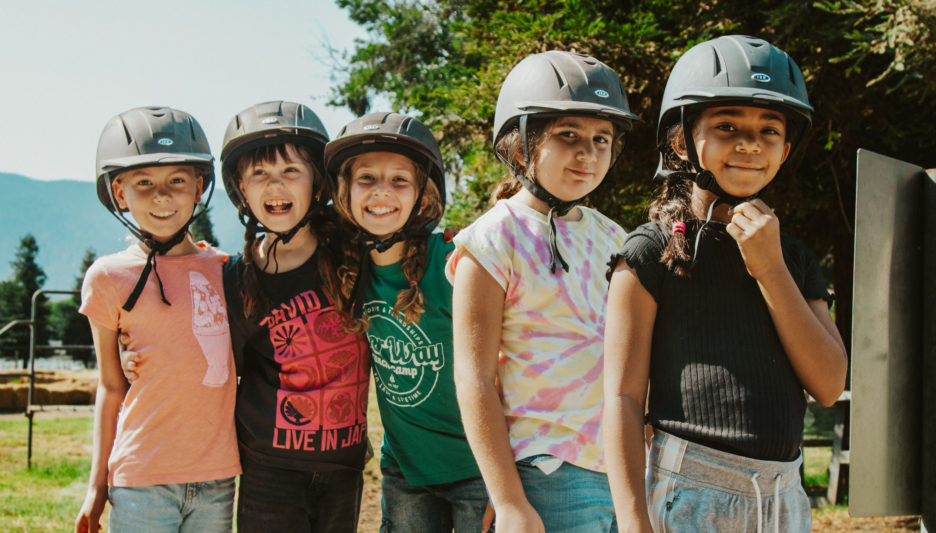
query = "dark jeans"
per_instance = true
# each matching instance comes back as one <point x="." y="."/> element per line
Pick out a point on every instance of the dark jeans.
<point x="273" y="499"/>
<point x="459" y="505"/>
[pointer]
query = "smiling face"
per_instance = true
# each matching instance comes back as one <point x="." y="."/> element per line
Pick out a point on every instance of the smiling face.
<point x="382" y="188"/>
<point x="278" y="191"/>
<point x="160" y="199"/>
<point x="574" y="156"/>
<point x="743" y="147"/>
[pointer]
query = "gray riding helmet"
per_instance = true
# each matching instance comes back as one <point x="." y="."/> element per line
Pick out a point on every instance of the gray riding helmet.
<point x="263" y="124"/>
<point x="148" y="136"/>
<point x="387" y="132"/>
<point x="556" y="83"/>
<point x="734" y="70"/>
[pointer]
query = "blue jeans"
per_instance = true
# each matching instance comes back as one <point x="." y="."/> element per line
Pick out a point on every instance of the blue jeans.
<point x="459" y="505"/>
<point x="204" y="506"/>
<point x="274" y="499"/>
<point x="570" y="499"/>
<point x="691" y="487"/>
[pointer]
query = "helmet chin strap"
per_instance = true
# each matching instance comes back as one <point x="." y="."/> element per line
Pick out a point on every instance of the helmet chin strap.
<point x="156" y="248"/>
<point x="556" y="206"/>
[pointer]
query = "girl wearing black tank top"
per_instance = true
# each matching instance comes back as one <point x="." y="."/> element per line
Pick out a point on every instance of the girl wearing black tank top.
<point x="723" y="320"/>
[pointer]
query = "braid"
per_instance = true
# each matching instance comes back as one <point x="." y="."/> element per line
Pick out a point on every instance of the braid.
<point x="672" y="205"/>
<point x="254" y="300"/>
<point x="410" y="301"/>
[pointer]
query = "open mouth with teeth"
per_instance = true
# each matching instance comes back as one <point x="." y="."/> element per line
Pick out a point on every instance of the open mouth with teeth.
<point x="380" y="210"/>
<point x="277" y="207"/>
<point x="162" y="215"/>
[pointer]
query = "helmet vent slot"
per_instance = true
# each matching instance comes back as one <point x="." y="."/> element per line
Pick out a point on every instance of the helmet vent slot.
<point x="718" y="64"/>
<point x="559" y="77"/>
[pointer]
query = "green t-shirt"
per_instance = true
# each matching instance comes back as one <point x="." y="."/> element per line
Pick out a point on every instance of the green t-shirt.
<point x="423" y="432"/>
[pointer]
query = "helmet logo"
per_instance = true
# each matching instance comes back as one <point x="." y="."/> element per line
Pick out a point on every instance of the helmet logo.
<point x="372" y="127"/>
<point x="601" y="93"/>
<point x="761" y="77"/>
<point x="270" y="120"/>
<point x="165" y="141"/>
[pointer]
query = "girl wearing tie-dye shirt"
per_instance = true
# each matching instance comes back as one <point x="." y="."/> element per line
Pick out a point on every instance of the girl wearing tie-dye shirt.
<point x="529" y="293"/>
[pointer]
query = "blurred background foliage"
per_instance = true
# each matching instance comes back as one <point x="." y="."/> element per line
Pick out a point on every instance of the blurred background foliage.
<point x="869" y="66"/>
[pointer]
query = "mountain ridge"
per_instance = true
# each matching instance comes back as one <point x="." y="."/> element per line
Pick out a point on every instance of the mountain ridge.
<point x="66" y="218"/>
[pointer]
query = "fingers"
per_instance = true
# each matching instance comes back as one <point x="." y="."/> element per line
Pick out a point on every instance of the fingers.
<point x="124" y="340"/>
<point x="488" y="518"/>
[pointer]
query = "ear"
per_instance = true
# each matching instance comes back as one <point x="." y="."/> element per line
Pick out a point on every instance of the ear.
<point x="199" y="188"/>
<point x="119" y="195"/>
<point x="678" y="144"/>
<point x="786" y="152"/>
<point x="518" y="160"/>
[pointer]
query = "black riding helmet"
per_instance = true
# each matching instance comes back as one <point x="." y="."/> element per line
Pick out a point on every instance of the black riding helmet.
<point x="733" y="70"/>
<point x="145" y="137"/>
<point x="265" y="124"/>
<point x="552" y="84"/>
<point x="397" y="133"/>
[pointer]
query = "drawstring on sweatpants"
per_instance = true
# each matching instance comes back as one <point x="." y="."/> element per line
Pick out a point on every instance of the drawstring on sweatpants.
<point x="760" y="503"/>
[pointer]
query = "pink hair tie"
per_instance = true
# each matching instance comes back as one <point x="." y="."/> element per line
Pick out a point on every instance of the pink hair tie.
<point x="412" y="283"/>
<point x="679" y="227"/>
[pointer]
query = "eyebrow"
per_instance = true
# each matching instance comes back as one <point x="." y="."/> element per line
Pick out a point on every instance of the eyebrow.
<point x="572" y="122"/>
<point x="730" y="112"/>
<point x="394" y="168"/>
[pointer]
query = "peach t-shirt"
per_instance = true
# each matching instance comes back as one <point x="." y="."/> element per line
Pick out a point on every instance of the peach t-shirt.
<point x="176" y="424"/>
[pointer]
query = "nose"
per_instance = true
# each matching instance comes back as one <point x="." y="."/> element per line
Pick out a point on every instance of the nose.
<point x="749" y="142"/>
<point x="588" y="151"/>
<point x="381" y="187"/>
<point x="162" y="193"/>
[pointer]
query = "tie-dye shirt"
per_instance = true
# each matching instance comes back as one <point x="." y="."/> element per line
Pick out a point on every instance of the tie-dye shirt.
<point x="552" y="339"/>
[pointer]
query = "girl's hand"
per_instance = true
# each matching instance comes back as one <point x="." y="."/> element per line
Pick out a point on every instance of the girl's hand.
<point x="522" y="519"/>
<point x="130" y="360"/>
<point x="757" y="230"/>
<point x="89" y="518"/>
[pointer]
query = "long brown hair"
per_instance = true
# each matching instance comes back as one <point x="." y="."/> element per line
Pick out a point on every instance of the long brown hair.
<point x="409" y="301"/>
<point x="255" y="302"/>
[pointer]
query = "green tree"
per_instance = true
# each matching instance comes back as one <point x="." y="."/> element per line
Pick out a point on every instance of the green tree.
<point x="203" y="230"/>
<point x="66" y="323"/>
<point x="868" y="65"/>
<point x="16" y="300"/>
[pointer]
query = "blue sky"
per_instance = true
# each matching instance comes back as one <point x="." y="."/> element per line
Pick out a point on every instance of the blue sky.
<point x="67" y="67"/>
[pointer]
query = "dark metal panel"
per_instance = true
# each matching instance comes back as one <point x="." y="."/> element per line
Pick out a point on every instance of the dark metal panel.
<point x="929" y="353"/>
<point x="886" y="338"/>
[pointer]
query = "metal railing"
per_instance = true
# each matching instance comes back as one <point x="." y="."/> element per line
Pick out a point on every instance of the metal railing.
<point x="32" y="408"/>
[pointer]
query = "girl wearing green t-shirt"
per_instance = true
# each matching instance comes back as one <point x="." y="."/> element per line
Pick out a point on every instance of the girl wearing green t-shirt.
<point x="389" y="190"/>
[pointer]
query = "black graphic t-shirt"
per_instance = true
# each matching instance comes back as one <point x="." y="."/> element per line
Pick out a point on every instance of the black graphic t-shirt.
<point x="302" y="397"/>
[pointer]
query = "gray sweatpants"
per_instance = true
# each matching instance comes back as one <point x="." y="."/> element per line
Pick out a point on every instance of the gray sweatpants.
<point x="695" y="488"/>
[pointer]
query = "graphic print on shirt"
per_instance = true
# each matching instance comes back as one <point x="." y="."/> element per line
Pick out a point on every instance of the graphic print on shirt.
<point x="406" y="363"/>
<point x="210" y="327"/>
<point x="322" y="399"/>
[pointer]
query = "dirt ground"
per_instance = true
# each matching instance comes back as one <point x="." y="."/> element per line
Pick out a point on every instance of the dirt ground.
<point x="78" y="387"/>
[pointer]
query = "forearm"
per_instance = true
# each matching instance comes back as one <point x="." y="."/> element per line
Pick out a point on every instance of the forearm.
<point x="808" y="335"/>
<point x="106" y="409"/>
<point x="486" y="429"/>
<point x="625" y="456"/>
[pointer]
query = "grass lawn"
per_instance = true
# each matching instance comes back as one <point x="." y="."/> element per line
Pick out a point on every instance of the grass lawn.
<point x="46" y="498"/>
